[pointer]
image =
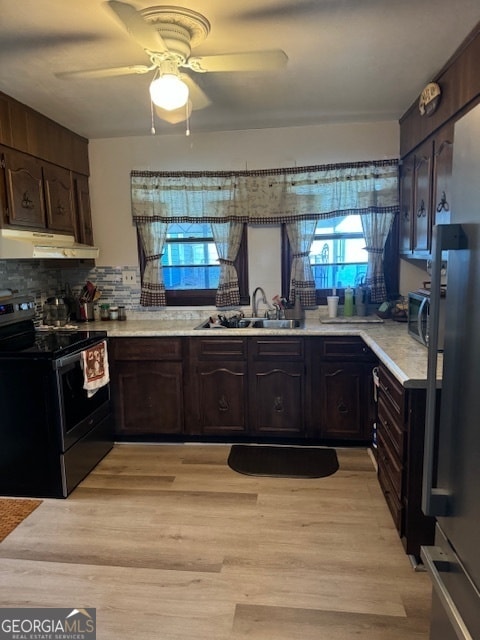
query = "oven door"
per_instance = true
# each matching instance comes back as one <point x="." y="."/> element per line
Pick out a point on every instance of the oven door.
<point x="78" y="413"/>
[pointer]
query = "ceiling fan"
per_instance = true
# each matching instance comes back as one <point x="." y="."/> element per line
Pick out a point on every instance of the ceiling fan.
<point x="168" y="34"/>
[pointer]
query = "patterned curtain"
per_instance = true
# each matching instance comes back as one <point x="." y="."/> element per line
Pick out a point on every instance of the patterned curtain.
<point x="302" y="282"/>
<point x="295" y="196"/>
<point x="227" y="236"/>
<point x="376" y="229"/>
<point x="152" y="236"/>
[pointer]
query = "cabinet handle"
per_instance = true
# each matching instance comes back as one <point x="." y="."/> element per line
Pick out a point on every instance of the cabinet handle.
<point x="421" y="213"/>
<point x="406" y="214"/>
<point x="278" y="404"/>
<point x="223" y="404"/>
<point x="443" y="204"/>
<point x="342" y="407"/>
<point x="335" y="373"/>
<point x="26" y="202"/>
<point x="60" y="209"/>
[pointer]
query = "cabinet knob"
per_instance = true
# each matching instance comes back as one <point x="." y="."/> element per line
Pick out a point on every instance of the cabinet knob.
<point x="443" y="204"/>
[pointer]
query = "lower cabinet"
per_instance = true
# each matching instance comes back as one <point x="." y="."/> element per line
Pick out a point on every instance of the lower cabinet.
<point x="245" y="387"/>
<point x="277" y="386"/>
<point x="400" y="436"/>
<point x="342" y="403"/>
<point x="216" y="380"/>
<point x="147" y="386"/>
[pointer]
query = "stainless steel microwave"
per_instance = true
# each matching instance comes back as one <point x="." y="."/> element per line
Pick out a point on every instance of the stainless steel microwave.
<point x="419" y="317"/>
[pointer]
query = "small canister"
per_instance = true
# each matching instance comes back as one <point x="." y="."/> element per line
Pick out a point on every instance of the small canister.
<point x="113" y="313"/>
<point x="104" y="311"/>
<point x="122" y="315"/>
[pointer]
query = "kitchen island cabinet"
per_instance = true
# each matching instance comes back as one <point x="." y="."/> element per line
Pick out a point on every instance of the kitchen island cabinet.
<point x="147" y="387"/>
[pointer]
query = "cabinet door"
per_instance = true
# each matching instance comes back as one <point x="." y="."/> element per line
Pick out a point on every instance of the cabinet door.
<point x="422" y="199"/>
<point x="346" y="398"/>
<point x="83" y="214"/>
<point x="277" y="397"/>
<point x="406" y="205"/>
<point x="442" y="175"/>
<point x="58" y="198"/>
<point x="147" y="398"/>
<point x="24" y="190"/>
<point x="220" y="398"/>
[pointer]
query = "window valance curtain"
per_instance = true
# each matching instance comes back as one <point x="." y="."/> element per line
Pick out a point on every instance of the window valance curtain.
<point x="296" y="196"/>
<point x="267" y="196"/>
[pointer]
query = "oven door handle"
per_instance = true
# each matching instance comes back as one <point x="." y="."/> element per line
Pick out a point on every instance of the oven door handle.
<point x="70" y="359"/>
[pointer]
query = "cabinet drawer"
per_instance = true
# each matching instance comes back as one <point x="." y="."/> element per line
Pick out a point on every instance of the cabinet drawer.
<point x="390" y="464"/>
<point x="146" y="348"/>
<point x="390" y="424"/>
<point x="351" y="348"/>
<point x="218" y="348"/>
<point x="392" y="391"/>
<point x="288" y="348"/>
<point x="391" y="499"/>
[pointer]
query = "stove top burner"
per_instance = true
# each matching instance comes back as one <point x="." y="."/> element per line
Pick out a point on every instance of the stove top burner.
<point x="22" y="341"/>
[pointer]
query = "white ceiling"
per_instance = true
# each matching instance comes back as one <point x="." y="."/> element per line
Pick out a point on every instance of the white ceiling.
<point x="349" y="61"/>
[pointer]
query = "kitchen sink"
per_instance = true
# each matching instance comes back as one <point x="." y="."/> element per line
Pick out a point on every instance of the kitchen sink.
<point x="252" y="323"/>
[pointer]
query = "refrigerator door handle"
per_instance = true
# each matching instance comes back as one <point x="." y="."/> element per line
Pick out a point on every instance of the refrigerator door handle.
<point x="446" y="237"/>
<point x="431" y="556"/>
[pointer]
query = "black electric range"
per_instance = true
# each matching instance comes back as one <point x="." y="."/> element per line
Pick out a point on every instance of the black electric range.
<point x="53" y="432"/>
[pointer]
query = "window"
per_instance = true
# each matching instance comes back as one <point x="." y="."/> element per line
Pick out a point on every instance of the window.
<point x="337" y="255"/>
<point x="190" y="259"/>
<point x="191" y="270"/>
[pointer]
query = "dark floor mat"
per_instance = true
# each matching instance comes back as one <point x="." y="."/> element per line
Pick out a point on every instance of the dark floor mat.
<point x="280" y="461"/>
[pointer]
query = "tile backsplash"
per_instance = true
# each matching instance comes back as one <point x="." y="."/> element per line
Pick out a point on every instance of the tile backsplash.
<point x="42" y="279"/>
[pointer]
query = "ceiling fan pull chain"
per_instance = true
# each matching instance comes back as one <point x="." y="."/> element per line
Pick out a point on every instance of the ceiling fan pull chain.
<point x="152" y="130"/>
<point x="187" y="131"/>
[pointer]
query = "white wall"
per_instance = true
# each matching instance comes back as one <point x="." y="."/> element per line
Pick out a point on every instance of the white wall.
<point x="112" y="160"/>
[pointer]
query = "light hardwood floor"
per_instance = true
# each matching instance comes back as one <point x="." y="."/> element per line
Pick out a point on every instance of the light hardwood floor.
<point x="167" y="542"/>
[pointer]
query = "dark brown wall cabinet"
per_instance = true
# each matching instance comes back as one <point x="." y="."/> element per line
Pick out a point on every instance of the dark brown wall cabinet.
<point x="38" y="195"/>
<point x="44" y="174"/>
<point x="425" y="179"/>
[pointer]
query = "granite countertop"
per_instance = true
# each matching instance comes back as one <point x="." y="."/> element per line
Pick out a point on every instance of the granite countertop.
<point x="405" y="357"/>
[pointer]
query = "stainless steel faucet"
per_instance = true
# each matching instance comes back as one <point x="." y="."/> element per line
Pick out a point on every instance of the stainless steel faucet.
<point x="255" y="303"/>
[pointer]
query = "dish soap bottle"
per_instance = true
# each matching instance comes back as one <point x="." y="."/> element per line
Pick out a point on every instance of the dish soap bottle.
<point x="348" y="304"/>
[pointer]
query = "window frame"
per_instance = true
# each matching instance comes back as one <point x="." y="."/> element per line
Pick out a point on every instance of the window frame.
<point x="206" y="297"/>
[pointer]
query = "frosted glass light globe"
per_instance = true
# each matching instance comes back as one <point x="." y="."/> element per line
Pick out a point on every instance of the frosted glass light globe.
<point x="169" y="92"/>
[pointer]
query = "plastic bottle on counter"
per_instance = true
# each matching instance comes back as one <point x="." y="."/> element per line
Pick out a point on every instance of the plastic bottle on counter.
<point x="348" y="304"/>
<point x="104" y="311"/>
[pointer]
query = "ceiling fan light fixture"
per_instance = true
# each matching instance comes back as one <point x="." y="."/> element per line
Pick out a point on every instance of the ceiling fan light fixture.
<point x="169" y="92"/>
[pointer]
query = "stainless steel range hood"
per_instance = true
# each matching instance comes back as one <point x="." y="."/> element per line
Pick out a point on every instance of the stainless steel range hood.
<point x="15" y="244"/>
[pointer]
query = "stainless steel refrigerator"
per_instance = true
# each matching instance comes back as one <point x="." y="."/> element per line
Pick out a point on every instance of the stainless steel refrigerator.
<point x="451" y="484"/>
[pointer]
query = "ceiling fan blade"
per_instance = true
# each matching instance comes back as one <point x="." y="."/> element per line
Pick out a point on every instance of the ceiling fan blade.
<point x="199" y="99"/>
<point x="250" y="61"/>
<point x="175" y="116"/>
<point x="141" y="31"/>
<point x="106" y="73"/>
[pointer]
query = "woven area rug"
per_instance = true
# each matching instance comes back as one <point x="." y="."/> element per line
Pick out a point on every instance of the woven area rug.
<point x="13" y="511"/>
<point x="283" y="462"/>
